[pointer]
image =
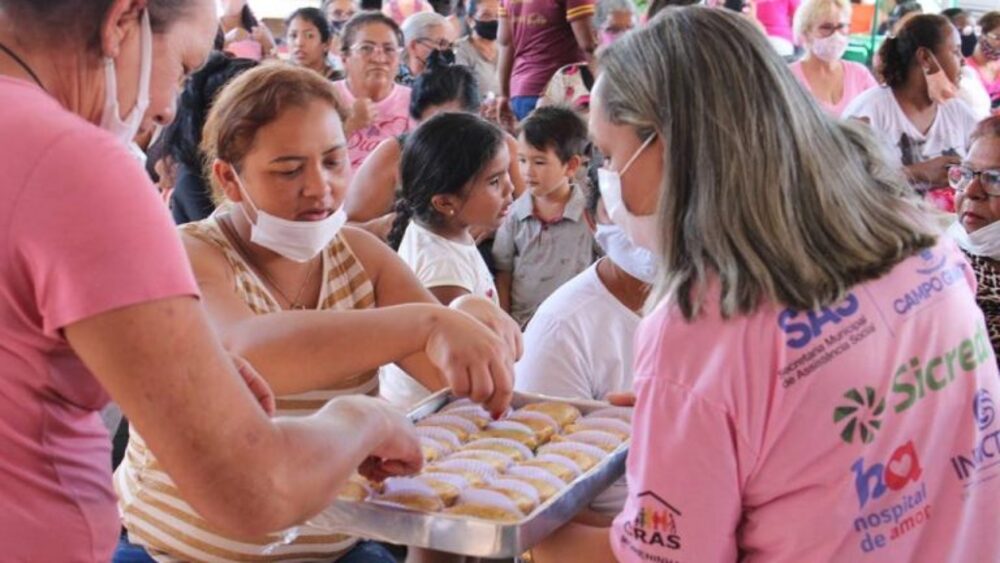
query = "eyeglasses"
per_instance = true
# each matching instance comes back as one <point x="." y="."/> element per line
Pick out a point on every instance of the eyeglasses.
<point x="960" y="178"/>
<point x="440" y="45"/>
<point x="828" y="29"/>
<point x="368" y="50"/>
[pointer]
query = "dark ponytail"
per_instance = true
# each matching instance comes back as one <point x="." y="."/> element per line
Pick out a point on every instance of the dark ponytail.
<point x="442" y="82"/>
<point x="899" y="53"/>
<point x="442" y="156"/>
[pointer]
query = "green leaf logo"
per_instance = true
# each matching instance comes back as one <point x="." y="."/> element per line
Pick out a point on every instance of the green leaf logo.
<point x="862" y="415"/>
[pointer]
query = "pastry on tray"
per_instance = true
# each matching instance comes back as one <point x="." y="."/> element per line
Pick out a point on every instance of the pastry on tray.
<point x="511" y="448"/>
<point x="561" y="466"/>
<point x="604" y="440"/>
<point x="473" y="413"/>
<point x="621" y="413"/>
<point x="544" y="425"/>
<point x="584" y="455"/>
<point x="614" y="426"/>
<point x="544" y="482"/>
<point x="499" y="460"/>
<point x="355" y="489"/>
<point x="410" y="492"/>
<point x="510" y="430"/>
<point x="447" y="486"/>
<point x="461" y="427"/>
<point x="525" y="496"/>
<point x="563" y="413"/>
<point x="477" y="473"/>
<point x="433" y="450"/>
<point x="486" y="505"/>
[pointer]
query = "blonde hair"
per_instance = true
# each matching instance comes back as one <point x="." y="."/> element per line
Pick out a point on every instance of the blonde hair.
<point x="762" y="191"/>
<point x="250" y="102"/>
<point x="810" y="12"/>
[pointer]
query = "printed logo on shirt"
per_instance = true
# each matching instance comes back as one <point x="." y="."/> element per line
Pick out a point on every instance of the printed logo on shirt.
<point x="821" y="336"/>
<point x="654" y="526"/>
<point x="861" y="415"/>
<point x="938" y="275"/>
<point x="915" y="379"/>
<point x="901" y="498"/>
<point x="982" y="462"/>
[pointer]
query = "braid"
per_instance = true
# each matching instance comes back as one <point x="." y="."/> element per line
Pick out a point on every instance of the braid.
<point x="403" y="214"/>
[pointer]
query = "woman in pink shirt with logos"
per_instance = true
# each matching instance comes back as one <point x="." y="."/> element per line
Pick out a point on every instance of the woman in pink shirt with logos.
<point x="813" y="378"/>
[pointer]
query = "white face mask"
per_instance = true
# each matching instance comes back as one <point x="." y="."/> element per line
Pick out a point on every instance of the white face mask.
<point x="640" y="229"/>
<point x="984" y="241"/>
<point x="636" y="261"/>
<point x="300" y="241"/>
<point x="111" y="120"/>
<point x="830" y="48"/>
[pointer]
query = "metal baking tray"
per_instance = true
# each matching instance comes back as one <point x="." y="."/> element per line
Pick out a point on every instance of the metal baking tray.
<point x="469" y="536"/>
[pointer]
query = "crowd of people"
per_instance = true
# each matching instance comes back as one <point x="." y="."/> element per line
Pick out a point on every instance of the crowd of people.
<point x="265" y="243"/>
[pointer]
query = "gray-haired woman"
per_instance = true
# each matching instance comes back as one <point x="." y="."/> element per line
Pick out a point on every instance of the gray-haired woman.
<point x="807" y="335"/>
<point x="97" y="300"/>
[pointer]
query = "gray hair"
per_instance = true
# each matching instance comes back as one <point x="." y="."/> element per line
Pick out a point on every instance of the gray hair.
<point x="762" y="192"/>
<point x="606" y="7"/>
<point x="417" y="25"/>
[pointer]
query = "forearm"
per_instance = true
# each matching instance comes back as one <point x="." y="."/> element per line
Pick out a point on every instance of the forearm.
<point x="299" y="351"/>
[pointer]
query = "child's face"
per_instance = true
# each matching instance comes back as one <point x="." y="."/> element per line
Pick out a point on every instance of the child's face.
<point x="543" y="172"/>
<point x="489" y="195"/>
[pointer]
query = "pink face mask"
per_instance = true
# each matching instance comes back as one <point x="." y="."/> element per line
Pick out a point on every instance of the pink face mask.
<point x="939" y="87"/>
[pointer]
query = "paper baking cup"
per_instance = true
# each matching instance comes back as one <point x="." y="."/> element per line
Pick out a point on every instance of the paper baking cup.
<point x="603" y="440"/>
<point x="450" y="420"/>
<point x="535" y="473"/>
<point x="492" y="443"/>
<point x="611" y="425"/>
<point x="498" y="460"/>
<point x="440" y="434"/>
<point x="482" y="497"/>
<point x="561" y="460"/>
<point x="621" y="413"/>
<point x="480" y="469"/>
<point x="517" y="486"/>
<point x="586" y="449"/>
<point x="539" y="417"/>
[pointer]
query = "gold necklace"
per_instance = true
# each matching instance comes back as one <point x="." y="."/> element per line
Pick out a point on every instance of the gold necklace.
<point x="245" y="253"/>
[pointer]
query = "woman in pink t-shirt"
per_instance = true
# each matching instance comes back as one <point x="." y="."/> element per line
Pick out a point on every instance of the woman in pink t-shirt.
<point x="985" y="60"/>
<point x="822" y="27"/>
<point x="97" y="302"/>
<point x="379" y="108"/>
<point x="813" y="379"/>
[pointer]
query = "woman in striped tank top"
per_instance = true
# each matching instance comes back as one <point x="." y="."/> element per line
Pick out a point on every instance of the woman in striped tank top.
<point x="272" y="263"/>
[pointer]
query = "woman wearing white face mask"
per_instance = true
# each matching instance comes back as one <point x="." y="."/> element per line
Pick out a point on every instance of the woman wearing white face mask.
<point x="977" y="229"/>
<point x="98" y="302"/>
<point x="822" y="27"/>
<point x="917" y="114"/>
<point x="274" y="262"/>
<point x="777" y="410"/>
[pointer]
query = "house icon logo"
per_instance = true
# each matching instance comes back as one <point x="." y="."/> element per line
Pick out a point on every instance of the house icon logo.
<point x="655" y="522"/>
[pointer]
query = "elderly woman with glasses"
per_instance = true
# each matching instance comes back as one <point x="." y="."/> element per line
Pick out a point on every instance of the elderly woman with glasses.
<point x="822" y="27"/>
<point x="378" y="105"/>
<point x="423" y="33"/>
<point x="977" y="230"/>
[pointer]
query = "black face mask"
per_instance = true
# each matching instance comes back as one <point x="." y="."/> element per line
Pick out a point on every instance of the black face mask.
<point x="336" y="26"/>
<point x="487" y="30"/>
<point x="969" y="44"/>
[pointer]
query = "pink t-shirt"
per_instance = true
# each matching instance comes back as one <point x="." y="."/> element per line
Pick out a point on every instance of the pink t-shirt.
<point x="992" y="88"/>
<point x="84" y="232"/>
<point x="393" y="119"/>
<point x="776" y="17"/>
<point x="863" y="431"/>
<point x="857" y="79"/>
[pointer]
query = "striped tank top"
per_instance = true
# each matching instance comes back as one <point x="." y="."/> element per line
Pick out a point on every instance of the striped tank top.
<point x="152" y="509"/>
